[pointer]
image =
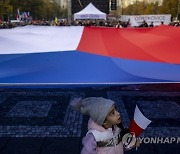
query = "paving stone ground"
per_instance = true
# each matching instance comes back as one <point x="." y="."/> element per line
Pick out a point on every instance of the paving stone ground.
<point x="41" y="120"/>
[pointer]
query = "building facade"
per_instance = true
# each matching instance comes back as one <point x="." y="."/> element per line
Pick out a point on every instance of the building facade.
<point x="125" y="3"/>
<point x="62" y="3"/>
<point x="103" y="5"/>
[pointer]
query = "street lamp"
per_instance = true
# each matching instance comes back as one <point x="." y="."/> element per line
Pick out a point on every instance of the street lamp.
<point x="69" y="12"/>
<point x="177" y="15"/>
<point x="121" y="7"/>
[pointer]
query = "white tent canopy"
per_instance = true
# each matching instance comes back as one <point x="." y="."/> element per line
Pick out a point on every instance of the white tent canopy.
<point x="90" y="12"/>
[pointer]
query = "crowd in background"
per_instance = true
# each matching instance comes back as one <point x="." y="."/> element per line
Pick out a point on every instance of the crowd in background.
<point x="64" y="22"/>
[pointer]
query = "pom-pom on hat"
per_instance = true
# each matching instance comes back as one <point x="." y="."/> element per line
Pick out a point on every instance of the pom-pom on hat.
<point x="96" y="107"/>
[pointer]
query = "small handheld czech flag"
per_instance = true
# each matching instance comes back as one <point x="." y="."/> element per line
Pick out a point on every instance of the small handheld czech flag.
<point x="139" y="123"/>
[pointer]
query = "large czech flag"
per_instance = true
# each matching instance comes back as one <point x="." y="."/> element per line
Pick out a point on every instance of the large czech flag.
<point x="89" y="55"/>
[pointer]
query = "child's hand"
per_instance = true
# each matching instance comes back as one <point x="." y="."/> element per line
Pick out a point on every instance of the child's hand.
<point x="137" y="143"/>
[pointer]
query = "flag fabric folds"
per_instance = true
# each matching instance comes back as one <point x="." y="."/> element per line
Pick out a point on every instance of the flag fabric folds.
<point x="89" y="55"/>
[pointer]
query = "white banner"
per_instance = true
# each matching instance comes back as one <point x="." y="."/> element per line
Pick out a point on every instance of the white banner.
<point x="137" y="20"/>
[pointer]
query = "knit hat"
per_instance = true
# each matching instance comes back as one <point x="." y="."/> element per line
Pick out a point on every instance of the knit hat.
<point x="96" y="107"/>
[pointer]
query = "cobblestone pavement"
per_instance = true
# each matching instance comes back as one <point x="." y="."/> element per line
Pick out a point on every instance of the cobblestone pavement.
<point x="47" y="114"/>
<point x="39" y="114"/>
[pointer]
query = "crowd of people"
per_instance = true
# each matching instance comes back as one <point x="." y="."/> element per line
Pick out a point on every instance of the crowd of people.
<point x="64" y="22"/>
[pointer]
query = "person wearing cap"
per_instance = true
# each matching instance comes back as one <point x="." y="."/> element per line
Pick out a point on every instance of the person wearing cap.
<point x="103" y="136"/>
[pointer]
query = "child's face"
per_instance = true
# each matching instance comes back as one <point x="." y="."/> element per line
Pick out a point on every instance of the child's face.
<point x="113" y="117"/>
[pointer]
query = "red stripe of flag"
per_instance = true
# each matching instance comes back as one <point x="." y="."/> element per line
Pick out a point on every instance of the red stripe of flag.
<point x="135" y="128"/>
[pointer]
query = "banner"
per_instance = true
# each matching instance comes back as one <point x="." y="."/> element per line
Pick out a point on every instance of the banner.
<point x="137" y="20"/>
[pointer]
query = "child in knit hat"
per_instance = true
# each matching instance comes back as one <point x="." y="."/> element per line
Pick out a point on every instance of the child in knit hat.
<point x="103" y="136"/>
